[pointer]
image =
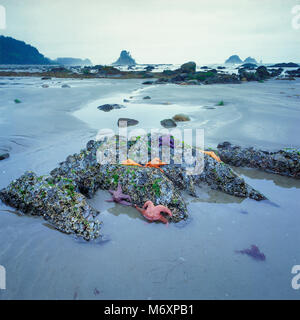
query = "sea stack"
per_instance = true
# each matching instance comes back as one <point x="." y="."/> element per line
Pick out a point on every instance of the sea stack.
<point x="125" y="59"/>
<point x="250" y="60"/>
<point x="234" y="59"/>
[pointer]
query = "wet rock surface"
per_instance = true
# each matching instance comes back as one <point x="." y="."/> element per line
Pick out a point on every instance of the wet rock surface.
<point x="218" y="175"/>
<point x="4" y="156"/>
<point x="294" y="73"/>
<point x="140" y="183"/>
<point x="61" y="197"/>
<point x="181" y="117"/>
<point x="286" y="65"/>
<point x="109" y="107"/>
<point x="187" y="67"/>
<point x="129" y="122"/>
<point x="168" y="123"/>
<point x="285" y="162"/>
<point x="56" y="201"/>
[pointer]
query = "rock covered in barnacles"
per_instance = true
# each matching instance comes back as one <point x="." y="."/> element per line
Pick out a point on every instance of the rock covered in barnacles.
<point x="58" y="203"/>
<point x="285" y="162"/>
<point x="217" y="175"/>
<point x="141" y="184"/>
<point x="220" y="176"/>
<point x="82" y="168"/>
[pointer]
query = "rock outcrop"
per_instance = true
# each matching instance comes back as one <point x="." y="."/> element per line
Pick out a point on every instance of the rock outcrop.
<point x="4" y="156"/>
<point x="60" y="198"/>
<point x="285" y="162"/>
<point x="188" y="67"/>
<point x="56" y="200"/>
<point x="250" y="60"/>
<point x="125" y="59"/>
<point x="108" y="107"/>
<point x="234" y="59"/>
<point x="285" y="65"/>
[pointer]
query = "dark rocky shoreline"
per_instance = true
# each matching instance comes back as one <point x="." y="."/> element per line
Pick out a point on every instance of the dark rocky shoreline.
<point x="185" y="75"/>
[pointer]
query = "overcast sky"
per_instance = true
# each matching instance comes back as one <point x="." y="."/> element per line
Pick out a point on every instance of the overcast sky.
<point x="157" y="31"/>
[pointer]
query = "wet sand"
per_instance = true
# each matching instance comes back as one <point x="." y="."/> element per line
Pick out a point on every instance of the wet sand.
<point x="138" y="260"/>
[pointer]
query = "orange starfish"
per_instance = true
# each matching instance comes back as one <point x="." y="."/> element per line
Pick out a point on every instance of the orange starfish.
<point x="153" y="213"/>
<point x="212" y="154"/>
<point x="155" y="163"/>
<point x="130" y="162"/>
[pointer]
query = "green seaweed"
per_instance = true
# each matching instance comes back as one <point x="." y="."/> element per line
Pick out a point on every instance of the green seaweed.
<point x="156" y="187"/>
<point x="116" y="178"/>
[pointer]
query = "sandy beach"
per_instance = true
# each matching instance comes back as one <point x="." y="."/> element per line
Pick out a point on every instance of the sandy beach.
<point x="181" y="261"/>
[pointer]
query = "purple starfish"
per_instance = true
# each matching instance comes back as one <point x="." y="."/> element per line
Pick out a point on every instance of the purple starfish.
<point x="167" y="140"/>
<point x="253" y="252"/>
<point x="119" y="197"/>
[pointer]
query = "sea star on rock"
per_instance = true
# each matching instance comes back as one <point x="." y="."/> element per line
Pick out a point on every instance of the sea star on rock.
<point x="253" y="252"/>
<point x="130" y="162"/>
<point x="153" y="213"/>
<point x="156" y="163"/>
<point x="212" y="154"/>
<point x="119" y="197"/>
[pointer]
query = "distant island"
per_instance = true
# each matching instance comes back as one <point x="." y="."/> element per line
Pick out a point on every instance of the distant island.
<point x="125" y="59"/>
<point x="234" y="59"/>
<point x="250" y="60"/>
<point x="73" y="61"/>
<point x="13" y="51"/>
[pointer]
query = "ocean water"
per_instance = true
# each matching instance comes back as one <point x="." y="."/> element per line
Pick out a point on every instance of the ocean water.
<point x="139" y="260"/>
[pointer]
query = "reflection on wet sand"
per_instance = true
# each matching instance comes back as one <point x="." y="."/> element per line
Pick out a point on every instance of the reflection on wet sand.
<point x="129" y="211"/>
<point x="205" y="194"/>
<point x="281" y="181"/>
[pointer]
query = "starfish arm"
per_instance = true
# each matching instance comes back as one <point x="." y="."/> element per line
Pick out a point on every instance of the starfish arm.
<point x="125" y="196"/>
<point x="110" y="200"/>
<point x="163" y="219"/>
<point x="142" y="211"/>
<point x="130" y="162"/>
<point x="125" y="203"/>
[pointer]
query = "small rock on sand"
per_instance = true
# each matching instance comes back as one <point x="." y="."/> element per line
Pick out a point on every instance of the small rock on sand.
<point x="109" y="107"/>
<point x="181" y="117"/>
<point x="130" y="122"/>
<point x="4" y="156"/>
<point x="168" y="123"/>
